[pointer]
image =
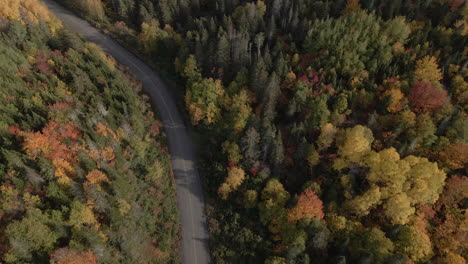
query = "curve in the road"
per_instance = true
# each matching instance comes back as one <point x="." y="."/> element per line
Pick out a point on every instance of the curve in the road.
<point x="194" y="244"/>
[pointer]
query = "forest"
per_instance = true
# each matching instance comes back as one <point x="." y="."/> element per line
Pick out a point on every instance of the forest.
<point x="84" y="167"/>
<point x="328" y="131"/>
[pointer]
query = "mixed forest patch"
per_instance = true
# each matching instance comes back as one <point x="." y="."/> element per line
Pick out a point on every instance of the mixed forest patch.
<point x="84" y="167"/>
<point x="332" y="131"/>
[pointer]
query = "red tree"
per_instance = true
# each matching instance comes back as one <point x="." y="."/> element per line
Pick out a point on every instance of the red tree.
<point x="425" y="98"/>
<point x="455" y="156"/>
<point x="51" y="141"/>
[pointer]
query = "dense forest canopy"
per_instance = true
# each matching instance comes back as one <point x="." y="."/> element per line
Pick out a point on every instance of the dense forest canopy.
<point x="84" y="170"/>
<point x="330" y="131"/>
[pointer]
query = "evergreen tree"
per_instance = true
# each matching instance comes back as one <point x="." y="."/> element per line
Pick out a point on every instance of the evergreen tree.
<point x="250" y="147"/>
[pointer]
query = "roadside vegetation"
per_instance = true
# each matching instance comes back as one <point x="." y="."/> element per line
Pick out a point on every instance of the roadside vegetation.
<point x="332" y="131"/>
<point x="84" y="167"/>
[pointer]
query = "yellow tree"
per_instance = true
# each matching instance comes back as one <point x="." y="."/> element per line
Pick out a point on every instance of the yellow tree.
<point x="353" y="144"/>
<point x="224" y="190"/>
<point x="398" y="184"/>
<point x="414" y="242"/>
<point x="398" y="209"/>
<point x="93" y="7"/>
<point x="33" y="10"/>
<point x="428" y="70"/>
<point x="63" y="171"/>
<point x="327" y="135"/>
<point x="425" y="181"/>
<point x="240" y="110"/>
<point x="81" y="214"/>
<point x="361" y="205"/>
<point x="235" y="177"/>
<point x="396" y="96"/>
<point x="403" y="183"/>
<point x="96" y="176"/>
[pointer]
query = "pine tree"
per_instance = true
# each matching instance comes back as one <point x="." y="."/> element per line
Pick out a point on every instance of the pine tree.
<point x="270" y="97"/>
<point x="166" y="13"/>
<point x="277" y="154"/>
<point x="223" y="52"/>
<point x="259" y="77"/>
<point x="250" y="147"/>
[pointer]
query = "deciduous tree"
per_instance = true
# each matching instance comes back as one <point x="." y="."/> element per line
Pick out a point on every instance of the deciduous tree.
<point x="204" y="100"/>
<point x="425" y="98"/>
<point x="70" y="256"/>
<point x="414" y="243"/>
<point x="427" y="70"/>
<point x="308" y="205"/>
<point x="235" y="177"/>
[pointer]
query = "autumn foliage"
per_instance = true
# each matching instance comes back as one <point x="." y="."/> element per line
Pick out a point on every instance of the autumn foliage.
<point x="67" y="114"/>
<point x="308" y="205"/>
<point x="343" y="122"/>
<point x="425" y="98"/>
<point x="96" y="176"/>
<point x="455" y="156"/>
<point x="51" y="141"/>
<point x="70" y="256"/>
<point x="28" y="11"/>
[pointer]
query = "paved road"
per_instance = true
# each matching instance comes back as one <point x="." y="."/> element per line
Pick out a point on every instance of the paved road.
<point x="194" y="244"/>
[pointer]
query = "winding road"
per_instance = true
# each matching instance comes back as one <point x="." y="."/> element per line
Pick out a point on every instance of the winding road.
<point x="194" y="244"/>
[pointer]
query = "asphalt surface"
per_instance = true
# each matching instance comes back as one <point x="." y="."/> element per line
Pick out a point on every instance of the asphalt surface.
<point x="194" y="244"/>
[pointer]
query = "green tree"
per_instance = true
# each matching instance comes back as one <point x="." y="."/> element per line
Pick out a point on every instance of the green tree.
<point x="353" y="144"/>
<point x="275" y="260"/>
<point x="80" y="214"/>
<point x="223" y="51"/>
<point x="270" y="97"/>
<point x="250" y="198"/>
<point x="239" y="110"/>
<point x="414" y="243"/>
<point x="362" y="47"/>
<point x="191" y="70"/>
<point x="204" y="100"/>
<point x="29" y="236"/>
<point x="373" y="241"/>
<point x="274" y="198"/>
<point x="249" y="146"/>
<point x="312" y="156"/>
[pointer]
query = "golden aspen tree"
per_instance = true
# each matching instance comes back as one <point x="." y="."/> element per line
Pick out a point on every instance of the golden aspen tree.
<point x="235" y="177"/>
<point x="428" y="70"/>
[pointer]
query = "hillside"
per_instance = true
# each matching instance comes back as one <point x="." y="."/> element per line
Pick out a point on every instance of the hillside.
<point x="329" y="131"/>
<point x="84" y="167"/>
